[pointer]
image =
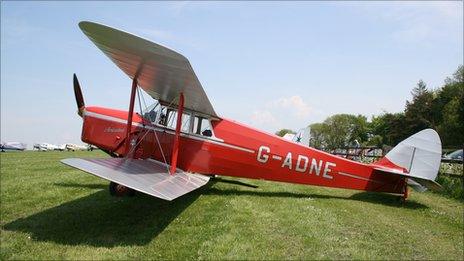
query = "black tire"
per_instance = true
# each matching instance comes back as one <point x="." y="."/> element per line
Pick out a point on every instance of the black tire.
<point x="118" y="190"/>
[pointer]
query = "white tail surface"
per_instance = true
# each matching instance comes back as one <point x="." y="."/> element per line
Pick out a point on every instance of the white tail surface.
<point x="302" y="136"/>
<point x="420" y="155"/>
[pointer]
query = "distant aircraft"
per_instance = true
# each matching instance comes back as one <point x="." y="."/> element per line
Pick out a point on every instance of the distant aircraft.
<point x="12" y="146"/>
<point x="302" y="136"/>
<point x="174" y="146"/>
<point x="74" y="147"/>
<point x="46" y="147"/>
<point x="62" y="147"/>
<point x="91" y="147"/>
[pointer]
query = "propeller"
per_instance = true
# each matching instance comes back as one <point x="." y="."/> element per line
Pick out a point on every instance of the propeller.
<point x="78" y="94"/>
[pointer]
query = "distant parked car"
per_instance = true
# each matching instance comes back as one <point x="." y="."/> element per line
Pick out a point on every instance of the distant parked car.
<point x="455" y="155"/>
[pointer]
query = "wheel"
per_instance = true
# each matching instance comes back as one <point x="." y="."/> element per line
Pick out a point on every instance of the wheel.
<point x="119" y="190"/>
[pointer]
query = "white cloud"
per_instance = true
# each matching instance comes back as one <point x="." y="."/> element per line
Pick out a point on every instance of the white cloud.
<point x="295" y="104"/>
<point x="418" y="32"/>
<point x="286" y="112"/>
<point x="263" y="117"/>
<point x="417" y="21"/>
<point x="179" y="6"/>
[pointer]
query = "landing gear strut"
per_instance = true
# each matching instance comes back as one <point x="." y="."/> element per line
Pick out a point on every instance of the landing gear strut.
<point x="405" y="195"/>
<point x="119" y="190"/>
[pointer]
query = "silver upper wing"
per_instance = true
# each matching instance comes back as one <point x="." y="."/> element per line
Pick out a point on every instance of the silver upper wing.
<point x="161" y="72"/>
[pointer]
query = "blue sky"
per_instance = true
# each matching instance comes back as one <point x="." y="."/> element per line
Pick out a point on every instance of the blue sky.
<point x="268" y="64"/>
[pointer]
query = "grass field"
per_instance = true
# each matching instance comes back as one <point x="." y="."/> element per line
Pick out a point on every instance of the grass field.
<point x="50" y="211"/>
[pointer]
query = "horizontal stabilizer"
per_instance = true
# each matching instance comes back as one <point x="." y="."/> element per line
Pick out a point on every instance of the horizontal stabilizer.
<point x="418" y="183"/>
<point x="147" y="176"/>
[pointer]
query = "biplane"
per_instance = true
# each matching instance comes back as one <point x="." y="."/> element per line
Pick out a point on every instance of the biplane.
<point x="177" y="144"/>
<point x="12" y="145"/>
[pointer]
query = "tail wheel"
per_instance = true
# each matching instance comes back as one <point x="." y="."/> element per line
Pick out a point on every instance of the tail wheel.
<point x="119" y="190"/>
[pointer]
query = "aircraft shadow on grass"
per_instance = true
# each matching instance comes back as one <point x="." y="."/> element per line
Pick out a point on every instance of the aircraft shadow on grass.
<point x="77" y="185"/>
<point x="102" y="221"/>
<point x="371" y="197"/>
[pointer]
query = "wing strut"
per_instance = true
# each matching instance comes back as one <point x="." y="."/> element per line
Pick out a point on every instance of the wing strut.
<point x="175" y="148"/>
<point x="129" y="117"/>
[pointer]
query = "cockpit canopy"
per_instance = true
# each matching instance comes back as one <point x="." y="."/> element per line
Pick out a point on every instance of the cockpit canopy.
<point x="166" y="116"/>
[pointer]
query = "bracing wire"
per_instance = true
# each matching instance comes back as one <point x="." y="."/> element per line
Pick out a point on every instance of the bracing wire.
<point x="157" y="141"/>
<point x="140" y="104"/>
<point x="161" y="149"/>
<point x="148" y="130"/>
<point x="143" y="99"/>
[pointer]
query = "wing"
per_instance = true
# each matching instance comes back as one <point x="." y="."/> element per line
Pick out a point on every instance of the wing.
<point x="147" y="176"/>
<point x="161" y="72"/>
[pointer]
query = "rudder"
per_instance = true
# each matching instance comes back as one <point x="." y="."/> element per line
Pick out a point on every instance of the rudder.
<point x="417" y="157"/>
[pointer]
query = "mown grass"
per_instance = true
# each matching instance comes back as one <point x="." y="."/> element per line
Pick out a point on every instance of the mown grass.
<point x="50" y="211"/>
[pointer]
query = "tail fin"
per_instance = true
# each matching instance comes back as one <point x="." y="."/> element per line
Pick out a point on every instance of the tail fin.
<point x="417" y="157"/>
<point x="302" y="136"/>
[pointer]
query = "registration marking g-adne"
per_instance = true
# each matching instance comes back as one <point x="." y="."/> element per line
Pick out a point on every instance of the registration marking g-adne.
<point x="303" y="163"/>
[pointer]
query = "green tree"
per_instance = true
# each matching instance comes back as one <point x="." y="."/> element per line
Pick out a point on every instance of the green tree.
<point x="418" y="111"/>
<point x="451" y="128"/>
<point x="442" y="109"/>
<point x="375" y="140"/>
<point x="448" y="108"/>
<point x="282" y="132"/>
<point x="342" y="130"/>
<point x="389" y="126"/>
<point x="458" y="76"/>
<point x="317" y="139"/>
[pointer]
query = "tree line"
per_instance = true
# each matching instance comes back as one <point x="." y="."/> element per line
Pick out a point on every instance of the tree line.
<point x="441" y="109"/>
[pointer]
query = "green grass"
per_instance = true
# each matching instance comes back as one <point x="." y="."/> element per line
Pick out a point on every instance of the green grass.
<point x="51" y="211"/>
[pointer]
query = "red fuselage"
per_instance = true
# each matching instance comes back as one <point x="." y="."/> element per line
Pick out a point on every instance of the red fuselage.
<point x="235" y="150"/>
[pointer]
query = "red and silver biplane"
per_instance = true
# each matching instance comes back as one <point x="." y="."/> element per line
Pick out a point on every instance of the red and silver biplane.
<point x="175" y="145"/>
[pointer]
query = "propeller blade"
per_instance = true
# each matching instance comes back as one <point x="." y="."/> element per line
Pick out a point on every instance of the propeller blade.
<point x="78" y="94"/>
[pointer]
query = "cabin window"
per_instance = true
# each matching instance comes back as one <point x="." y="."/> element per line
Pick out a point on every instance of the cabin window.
<point x="151" y="112"/>
<point x="202" y="126"/>
<point x="167" y="117"/>
<point x="171" y="120"/>
<point x="185" y="127"/>
<point x="163" y="117"/>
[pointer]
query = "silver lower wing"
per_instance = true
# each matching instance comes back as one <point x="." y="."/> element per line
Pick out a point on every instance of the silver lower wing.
<point x="147" y="176"/>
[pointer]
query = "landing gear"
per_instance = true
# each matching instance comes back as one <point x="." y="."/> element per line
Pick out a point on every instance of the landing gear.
<point x="405" y="195"/>
<point x="119" y="190"/>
